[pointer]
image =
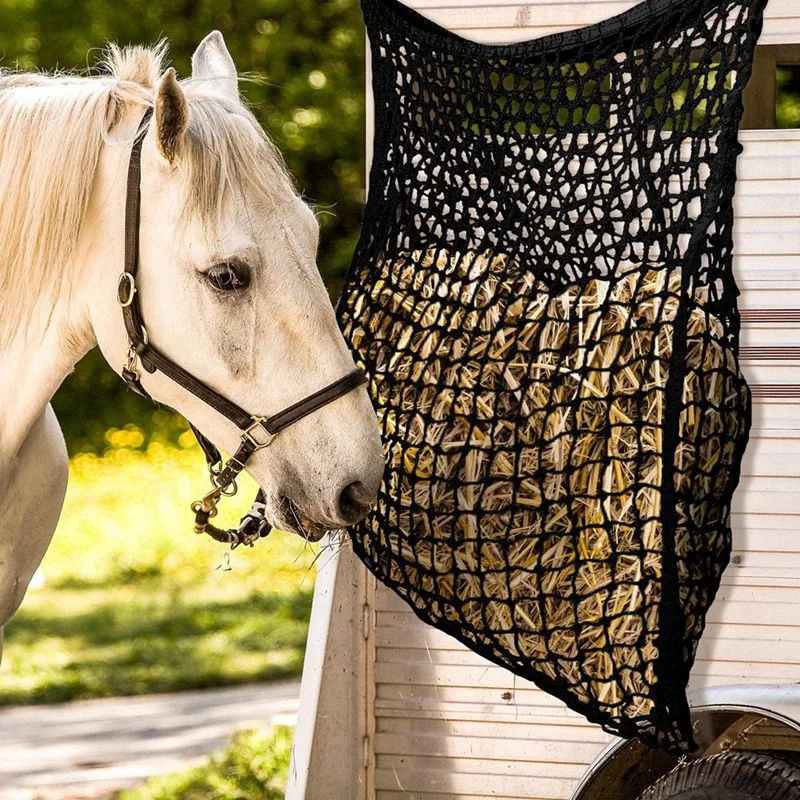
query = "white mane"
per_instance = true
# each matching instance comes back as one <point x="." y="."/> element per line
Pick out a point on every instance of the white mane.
<point x="52" y="131"/>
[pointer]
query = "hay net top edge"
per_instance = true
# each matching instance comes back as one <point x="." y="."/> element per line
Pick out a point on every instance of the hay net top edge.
<point x="544" y="300"/>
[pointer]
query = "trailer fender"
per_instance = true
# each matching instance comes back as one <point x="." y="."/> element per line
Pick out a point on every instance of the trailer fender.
<point x="753" y="717"/>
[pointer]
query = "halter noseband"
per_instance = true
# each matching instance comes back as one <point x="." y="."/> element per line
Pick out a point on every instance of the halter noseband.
<point x="256" y="432"/>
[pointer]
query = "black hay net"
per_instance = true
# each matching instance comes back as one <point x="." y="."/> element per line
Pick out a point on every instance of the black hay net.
<point x="543" y="299"/>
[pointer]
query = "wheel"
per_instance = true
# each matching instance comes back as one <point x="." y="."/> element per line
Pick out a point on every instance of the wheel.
<point x="729" y="776"/>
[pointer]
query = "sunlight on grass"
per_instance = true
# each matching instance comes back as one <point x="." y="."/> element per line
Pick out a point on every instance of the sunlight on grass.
<point x="253" y="767"/>
<point x="127" y="516"/>
<point x="129" y="600"/>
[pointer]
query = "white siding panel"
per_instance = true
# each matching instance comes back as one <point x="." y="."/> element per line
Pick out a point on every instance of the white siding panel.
<point x="780" y="416"/>
<point x="503" y="22"/>
<point x="451" y="726"/>
<point x="443" y="776"/>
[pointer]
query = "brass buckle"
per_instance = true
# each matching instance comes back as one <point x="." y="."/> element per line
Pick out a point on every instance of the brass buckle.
<point x="206" y="509"/>
<point x="207" y="506"/>
<point x="126" y="289"/>
<point x="259" y="424"/>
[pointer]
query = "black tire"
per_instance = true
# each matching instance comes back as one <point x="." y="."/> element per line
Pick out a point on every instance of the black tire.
<point x="729" y="776"/>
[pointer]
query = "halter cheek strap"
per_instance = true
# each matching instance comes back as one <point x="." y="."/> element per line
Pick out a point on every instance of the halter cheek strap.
<point x="256" y="432"/>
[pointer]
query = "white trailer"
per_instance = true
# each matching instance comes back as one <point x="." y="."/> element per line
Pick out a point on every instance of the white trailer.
<point x="391" y="708"/>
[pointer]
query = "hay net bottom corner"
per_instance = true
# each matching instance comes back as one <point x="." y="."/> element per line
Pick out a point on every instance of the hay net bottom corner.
<point x="543" y="298"/>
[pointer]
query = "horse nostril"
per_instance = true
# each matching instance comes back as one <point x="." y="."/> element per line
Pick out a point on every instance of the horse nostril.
<point x="354" y="502"/>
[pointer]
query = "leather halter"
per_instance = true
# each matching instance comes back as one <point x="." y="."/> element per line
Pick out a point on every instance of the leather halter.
<point x="256" y="432"/>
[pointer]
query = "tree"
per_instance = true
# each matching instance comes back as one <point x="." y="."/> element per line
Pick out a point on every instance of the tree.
<point x="307" y="61"/>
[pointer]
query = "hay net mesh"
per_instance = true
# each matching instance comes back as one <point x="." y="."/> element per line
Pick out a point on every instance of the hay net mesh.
<point x="543" y="299"/>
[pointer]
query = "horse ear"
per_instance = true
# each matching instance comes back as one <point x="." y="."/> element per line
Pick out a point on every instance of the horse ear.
<point x="212" y="64"/>
<point x="172" y="116"/>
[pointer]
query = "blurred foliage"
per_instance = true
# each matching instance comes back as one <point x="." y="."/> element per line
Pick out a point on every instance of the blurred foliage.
<point x="787" y="111"/>
<point x="129" y="601"/>
<point x="312" y="104"/>
<point x="254" y="767"/>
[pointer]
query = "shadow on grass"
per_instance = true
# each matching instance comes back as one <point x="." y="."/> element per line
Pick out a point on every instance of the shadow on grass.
<point x="71" y="645"/>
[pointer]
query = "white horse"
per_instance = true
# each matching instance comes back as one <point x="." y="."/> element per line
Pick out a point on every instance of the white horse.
<point x="227" y="277"/>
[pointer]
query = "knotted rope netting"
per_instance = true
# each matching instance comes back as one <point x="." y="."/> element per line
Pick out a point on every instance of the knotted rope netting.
<point x="543" y="299"/>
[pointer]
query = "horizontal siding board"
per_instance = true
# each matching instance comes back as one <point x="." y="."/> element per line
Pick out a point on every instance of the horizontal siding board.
<point x="731" y="616"/>
<point x="772" y="458"/>
<point x="387" y="794"/>
<point x="755" y="205"/>
<point x="727" y="640"/>
<point x="535" y="720"/>
<point x="417" y="694"/>
<point x="759" y="274"/>
<point x="758" y="496"/>
<point x="743" y="583"/>
<point x="410" y="699"/>
<point x="513" y="22"/>
<point x="776" y="168"/>
<point x="788" y="33"/>
<point x="447" y="777"/>
<point x="546" y="767"/>
<point x="770" y="422"/>
<point x="563" y="721"/>
<point x="767" y="544"/>
<point x="724" y="627"/>
<point x="568" y="9"/>
<point x="727" y="673"/>
<point x="754" y="586"/>
<point x="769" y="142"/>
<point x="770" y="242"/>
<point x="492" y="679"/>
<point x="780" y="372"/>
<point x="763" y="336"/>
<point x="485" y="729"/>
<point x="735" y="618"/>
<point x="762" y="295"/>
<point x="766" y="561"/>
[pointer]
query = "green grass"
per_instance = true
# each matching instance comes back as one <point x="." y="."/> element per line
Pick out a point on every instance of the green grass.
<point x="253" y="767"/>
<point x="133" y="602"/>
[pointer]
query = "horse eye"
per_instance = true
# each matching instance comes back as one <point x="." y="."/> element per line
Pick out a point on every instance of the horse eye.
<point x="227" y="277"/>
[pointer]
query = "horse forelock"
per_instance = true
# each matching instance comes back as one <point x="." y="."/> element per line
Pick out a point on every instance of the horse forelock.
<point x="52" y="130"/>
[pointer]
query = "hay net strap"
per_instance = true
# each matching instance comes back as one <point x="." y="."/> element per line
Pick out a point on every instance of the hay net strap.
<point x="543" y="298"/>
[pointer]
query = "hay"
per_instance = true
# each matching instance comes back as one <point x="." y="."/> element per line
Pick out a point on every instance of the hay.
<point x="525" y="432"/>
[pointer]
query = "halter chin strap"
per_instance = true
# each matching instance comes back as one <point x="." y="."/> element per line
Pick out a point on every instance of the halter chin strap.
<point x="256" y="432"/>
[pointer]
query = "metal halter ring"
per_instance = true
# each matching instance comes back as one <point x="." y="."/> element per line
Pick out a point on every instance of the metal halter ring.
<point x="229" y="490"/>
<point x="260" y="423"/>
<point x="126" y="289"/>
